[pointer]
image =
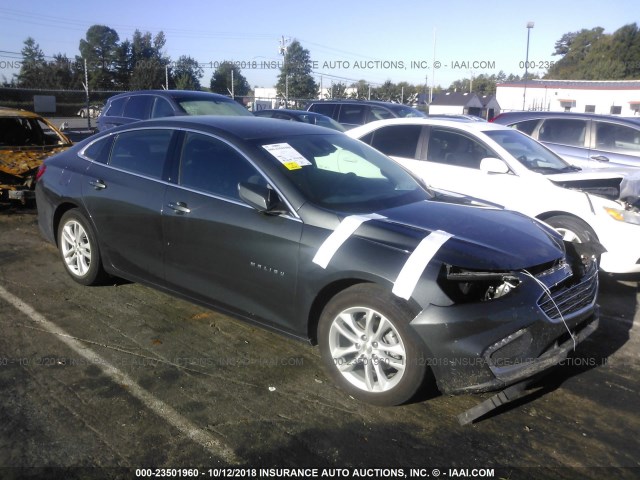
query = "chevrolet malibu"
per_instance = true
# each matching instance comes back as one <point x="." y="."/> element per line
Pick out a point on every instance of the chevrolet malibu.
<point x="318" y="236"/>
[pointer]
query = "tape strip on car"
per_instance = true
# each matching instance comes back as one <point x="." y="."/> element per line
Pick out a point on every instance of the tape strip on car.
<point x="340" y="235"/>
<point x="417" y="262"/>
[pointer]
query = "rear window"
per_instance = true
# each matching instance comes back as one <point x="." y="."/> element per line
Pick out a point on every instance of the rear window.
<point x="323" y="108"/>
<point x="198" y="106"/>
<point x="116" y="108"/>
<point x="138" y="107"/>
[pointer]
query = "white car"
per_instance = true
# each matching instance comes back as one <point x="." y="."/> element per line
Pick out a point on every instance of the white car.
<point x="504" y="166"/>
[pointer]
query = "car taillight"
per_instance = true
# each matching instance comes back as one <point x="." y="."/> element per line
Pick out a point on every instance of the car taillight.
<point x="40" y="171"/>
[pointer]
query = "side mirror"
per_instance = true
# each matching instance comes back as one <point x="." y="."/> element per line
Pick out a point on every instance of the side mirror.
<point x="261" y="198"/>
<point x="493" y="165"/>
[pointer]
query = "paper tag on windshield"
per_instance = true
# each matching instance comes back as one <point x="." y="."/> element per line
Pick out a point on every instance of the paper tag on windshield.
<point x="287" y="155"/>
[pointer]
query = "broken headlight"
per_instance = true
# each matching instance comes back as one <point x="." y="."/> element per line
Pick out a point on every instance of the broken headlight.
<point x="463" y="285"/>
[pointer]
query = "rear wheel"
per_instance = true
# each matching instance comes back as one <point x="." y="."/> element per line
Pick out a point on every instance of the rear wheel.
<point x="79" y="249"/>
<point x="368" y="347"/>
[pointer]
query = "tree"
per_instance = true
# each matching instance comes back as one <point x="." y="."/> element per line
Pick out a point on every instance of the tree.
<point x="336" y="90"/>
<point x="99" y="49"/>
<point x="33" y="64"/>
<point x="295" y="80"/>
<point x="187" y="73"/>
<point x="148" y="61"/>
<point x="362" y="90"/>
<point x="221" y="80"/>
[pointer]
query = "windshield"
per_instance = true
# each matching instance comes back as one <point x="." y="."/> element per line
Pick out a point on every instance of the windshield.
<point x="530" y="153"/>
<point x="211" y="107"/>
<point x="342" y="174"/>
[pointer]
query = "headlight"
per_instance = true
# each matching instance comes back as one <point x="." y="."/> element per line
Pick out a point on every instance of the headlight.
<point x="623" y="215"/>
<point x="463" y="285"/>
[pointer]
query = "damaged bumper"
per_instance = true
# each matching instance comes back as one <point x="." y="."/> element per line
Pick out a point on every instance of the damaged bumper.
<point x="477" y="348"/>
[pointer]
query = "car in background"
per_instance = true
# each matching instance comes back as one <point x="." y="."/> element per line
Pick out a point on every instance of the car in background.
<point x="583" y="139"/>
<point x="351" y="113"/>
<point x="300" y="116"/>
<point x="311" y="233"/>
<point x="502" y="165"/>
<point x="26" y="139"/>
<point x="92" y="111"/>
<point x="457" y="116"/>
<point x="131" y="107"/>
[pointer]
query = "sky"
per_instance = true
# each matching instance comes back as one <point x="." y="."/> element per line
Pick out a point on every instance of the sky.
<point x="376" y="40"/>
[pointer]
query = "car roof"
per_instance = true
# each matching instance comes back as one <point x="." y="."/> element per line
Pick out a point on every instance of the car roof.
<point x="513" y="116"/>
<point x="469" y="126"/>
<point x="173" y="94"/>
<point x="241" y="127"/>
<point x="291" y="111"/>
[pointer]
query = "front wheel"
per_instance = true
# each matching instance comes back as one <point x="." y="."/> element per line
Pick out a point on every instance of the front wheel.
<point x="79" y="249"/>
<point x="572" y="229"/>
<point x="368" y="348"/>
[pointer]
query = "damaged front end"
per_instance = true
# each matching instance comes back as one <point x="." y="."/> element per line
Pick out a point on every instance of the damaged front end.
<point x="544" y="312"/>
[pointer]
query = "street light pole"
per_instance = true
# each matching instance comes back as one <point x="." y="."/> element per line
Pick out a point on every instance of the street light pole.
<point x="526" y="65"/>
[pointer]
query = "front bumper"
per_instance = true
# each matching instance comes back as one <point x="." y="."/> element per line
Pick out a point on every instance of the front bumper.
<point x="490" y="345"/>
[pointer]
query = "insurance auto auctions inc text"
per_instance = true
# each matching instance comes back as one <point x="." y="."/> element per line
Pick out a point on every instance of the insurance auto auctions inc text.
<point x="386" y="473"/>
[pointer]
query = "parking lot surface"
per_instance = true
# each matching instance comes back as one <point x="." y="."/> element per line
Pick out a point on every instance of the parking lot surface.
<point x="123" y="377"/>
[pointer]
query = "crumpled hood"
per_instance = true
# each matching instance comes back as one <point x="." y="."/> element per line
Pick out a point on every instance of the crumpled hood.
<point x="483" y="238"/>
<point x="18" y="161"/>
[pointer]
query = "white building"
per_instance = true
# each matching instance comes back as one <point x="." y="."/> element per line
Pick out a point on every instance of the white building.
<point x="611" y="97"/>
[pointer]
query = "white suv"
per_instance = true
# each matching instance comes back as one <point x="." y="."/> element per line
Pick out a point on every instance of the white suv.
<point x="502" y="165"/>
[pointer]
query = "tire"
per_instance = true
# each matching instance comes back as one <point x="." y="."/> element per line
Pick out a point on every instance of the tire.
<point x="383" y="367"/>
<point x="572" y="229"/>
<point x="79" y="249"/>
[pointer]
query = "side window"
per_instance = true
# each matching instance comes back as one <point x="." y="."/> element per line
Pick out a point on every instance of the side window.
<point x="141" y="151"/>
<point x="323" y="108"/>
<point x="563" y="131"/>
<point x="212" y="166"/>
<point x="456" y="149"/>
<point x="138" y="107"/>
<point x="397" y="140"/>
<point x="99" y="151"/>
<point x="116" y="107"/>
<point x="527" y="126"/>
<point x="161" y="108"/>
<point x="352" y="114"/>
<point x="379" y="113"/>
<point x="617" y="138"/>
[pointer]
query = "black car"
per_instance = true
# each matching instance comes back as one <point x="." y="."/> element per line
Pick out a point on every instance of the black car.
<point x="146" y="104"/>
<point x="587" y="140"/>
<point x="351" y="113"/>
<point x="300" y="116"/>
<point x="319" y="236"/>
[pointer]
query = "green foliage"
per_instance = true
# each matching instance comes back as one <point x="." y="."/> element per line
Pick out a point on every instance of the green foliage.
<point x="595" y="55"/>
<point x="187" y="73"/>
<point x="221" y="80"/>
<point x="295" y="80"/>
<point x="99" y="49"/>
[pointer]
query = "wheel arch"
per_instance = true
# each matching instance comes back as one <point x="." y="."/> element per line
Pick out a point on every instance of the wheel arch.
<point x="554" y="213"/>
<point x="330" y="290"/>
<point x="57" y="216"/>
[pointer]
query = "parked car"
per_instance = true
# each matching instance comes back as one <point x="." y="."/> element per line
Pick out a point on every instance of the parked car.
<point x="502" y="165"/>
<point x="351" y="113"/>
<point x="26" y="139"/>
<point x="145" y="104"/>
<point x="92" y="111"/>
<point x="311" y="233"/>
<point x="584" y="139"/>
<point x="301" y="116"/>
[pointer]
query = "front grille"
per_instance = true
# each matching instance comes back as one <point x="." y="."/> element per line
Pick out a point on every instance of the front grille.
<point x="570" y="298"/>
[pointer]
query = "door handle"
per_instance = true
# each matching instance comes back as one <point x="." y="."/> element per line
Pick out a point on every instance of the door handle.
<point x="98" y="184"/>
<point x="600" y="158"/>
<point x="179" y="207"/>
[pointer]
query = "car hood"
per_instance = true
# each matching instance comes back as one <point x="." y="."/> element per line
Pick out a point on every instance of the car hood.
<point x="484" y="238"/>
<point x="602" y="182"/>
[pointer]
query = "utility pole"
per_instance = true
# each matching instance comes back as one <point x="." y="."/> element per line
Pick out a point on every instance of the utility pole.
<point x="86" y="91"/>
<point x="282" y="50"/>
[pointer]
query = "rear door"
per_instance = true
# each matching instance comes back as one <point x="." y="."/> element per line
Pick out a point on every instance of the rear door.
<point x="569" y="138"/>
<point x="220" y="250"/>
<point x="615" y="143"/>
<point x="123" y="192"/>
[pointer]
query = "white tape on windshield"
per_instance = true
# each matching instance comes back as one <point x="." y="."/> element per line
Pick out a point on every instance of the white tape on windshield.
<point x="340" y="235"/>
<point x="417" y="262"/>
